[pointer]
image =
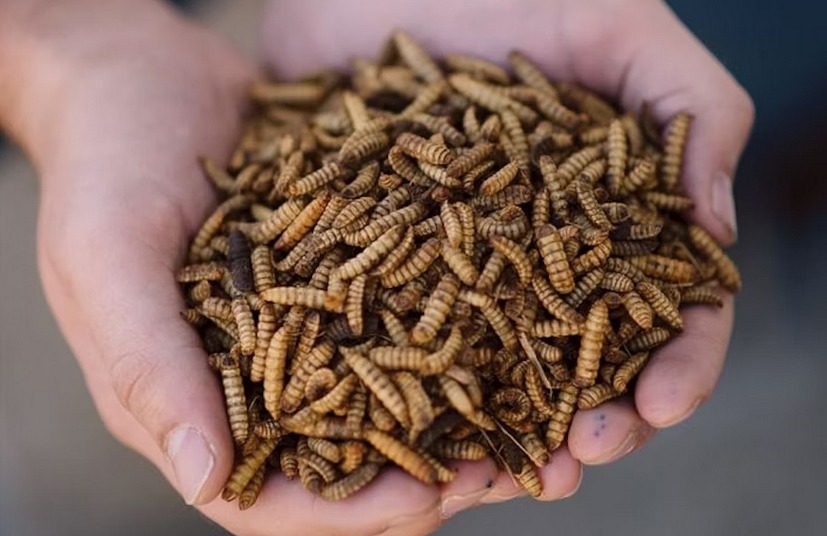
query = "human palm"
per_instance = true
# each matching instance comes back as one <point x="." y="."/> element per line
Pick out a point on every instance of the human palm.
<point x="122" y="195"/>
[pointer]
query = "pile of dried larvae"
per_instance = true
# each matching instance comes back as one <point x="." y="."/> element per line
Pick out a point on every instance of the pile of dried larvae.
<point x="436" y="260"/>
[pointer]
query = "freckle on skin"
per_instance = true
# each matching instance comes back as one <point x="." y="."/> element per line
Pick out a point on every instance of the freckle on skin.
<point x="596" y="433"/>
<point x="601" y="417"/>
<point x="489" y="484"/>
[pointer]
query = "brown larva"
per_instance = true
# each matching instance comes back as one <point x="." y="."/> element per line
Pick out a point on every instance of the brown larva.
<point x="726" y="270"/>
<point x="558" y="426"/>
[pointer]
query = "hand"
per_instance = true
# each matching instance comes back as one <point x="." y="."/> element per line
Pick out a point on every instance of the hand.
<point x="635" y="51"/>
<point x="121" y="116"/>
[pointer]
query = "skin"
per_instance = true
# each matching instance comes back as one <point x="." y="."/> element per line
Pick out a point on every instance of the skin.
<point x="114" y="116"/>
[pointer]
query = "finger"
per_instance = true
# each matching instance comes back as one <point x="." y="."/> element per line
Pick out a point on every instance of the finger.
<point x="683" y="374"/>
<point x="607" y="433"/>
<point x="474" y="480"/>
<point x="392" y="501"/>
<point x="560" y="477"/>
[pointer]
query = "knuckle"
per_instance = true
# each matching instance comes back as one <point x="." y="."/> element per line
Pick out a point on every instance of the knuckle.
<point x="134" y="380"/>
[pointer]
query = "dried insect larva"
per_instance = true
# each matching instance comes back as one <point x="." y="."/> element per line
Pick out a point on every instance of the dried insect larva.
<point x="558" y="426"/>
<point x="356" y="109"/>
<point x="464" y="163"/>
<point x="324" y="448"/>
<point x="639" y="177"/>
<point x="416" y="58"/>
<point x="591" y="344"/>
<point x="310" y="479"/>
<point x="379" y="384"/>
<point x="217" y="175"/>
<point x="594" y="258"/>
<point x="587" y="284"/>
<point x="441" y="360"/>
<point x="274" y="368"/>
<point x="459" y="450"/>
<point x="317" y="463"/>
<point x="499" y="322"/>
<point x="441" y="125"/>
<point x="576" y="163"/>
<point x="648" y="339"/>
<point x="200" y="291"/>
<point x="518" y="141"/>
<point x="628" y="370"/>
<point x="555" y="328"/>
<point x="726" y="270"/>
<point x="439" y="306"/>
<point x="402" y="455"/>
<point x="554" y="258"/>
<point x="423" y="150"/>
<point x="617" y="150"/>
<point x="389" y="181"/>
<point x="669" y="202"/>
<point x="208" y="271"/>
<point x="319" y="383"/>
<point x="538" y="394"/>
<point x="354" y="303"/>
<point x="309" y="331"/>
<point x="419" y="403"/>
<point x="306" y="297"/>
<point x="552" y="302"/>
<point x="438" y="175"/>
<point x="268" y="429"/>
<point x="665" y="268"/>
<point x="425" y="98"/>
<point x="335" y="397"/>
<point x="288" y="462"/>
<point x="302" y="224"/>
<point x="213" y="223"/>
<point x="370" y="233"/>
<point x="246" y="469"/>
<point x="263" y="276"/>
<point x="705" y="295"/>
<point x="510" y="222"/>
<point x="299" y="93"/>
<point x="217" y="309"/>
<point x="488" y="97"/>
<point x="515" y="255"/>
<point x="457" y="396"/>
<point x="640" y="311"/>
<point x="639" y="231"/>
<point x="460" y="264"/>
<point x="352" y="211"/>
<point x="595" y="395"/>
<point x="235" y="399"/>
<point x="499" y="180"/>
<point x="318" y="357"/>
<point x="617" y="282"/>
<point x="622" y="266"/>
<point x="674" y="142"/>
<point x="477" y="67"/>
<point x="251" y="492"/>
<point x="358" y="147"/>
<point x="398" y="358"/>
<point x="615" y="211"/>
<point x="430" y="226"/>
<point x="356" y="409"/>
<point x="192" y="317"/>
<point x="531" y="75"/>
<point x="587" y="200"/>
<point x="510" y="404"/>
<point x="246" y="325"/>
<point x="238" y="259"/>
<point x="357" y="479"/>
<point x="364" y="181"/>
<point x="660" y="304"/>
<point x="414" y="266"/>
<point x="371" y="255"/>
<point x="353" y="454"/>
<point x="452" y="225"/>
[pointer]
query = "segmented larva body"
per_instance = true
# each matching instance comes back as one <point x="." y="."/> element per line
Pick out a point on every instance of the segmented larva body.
<point x="674" y="143"/>
<point x="595" y="395"/>
<point x="591" y="344"/>
<point x="554" y="258"/>
<point x="235" y="398"/>
<point x="628" y="370"/>
<point x="357" y="479"/>
<point x="660" y="304"/>
<point x="558" y="426"/>
<point x="246" y="470"/>
<point x="726" y="270"/>
<point x="437" y="310"/>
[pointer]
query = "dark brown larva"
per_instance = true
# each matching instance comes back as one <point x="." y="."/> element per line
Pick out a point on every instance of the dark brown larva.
<point x="436" y="259"/>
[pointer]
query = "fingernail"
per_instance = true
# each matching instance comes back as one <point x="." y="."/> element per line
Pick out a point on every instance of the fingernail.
<point x="675" y="420"/>
<point x="192" y="459"/>
<point x="723" y="203"/>
<point x="454" y="504"/>
<point x="493" y="498"/>
<point x="576" y="488"/>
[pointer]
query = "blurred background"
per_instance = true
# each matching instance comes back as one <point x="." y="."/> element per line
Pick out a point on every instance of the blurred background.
<point x="751" y="461"/>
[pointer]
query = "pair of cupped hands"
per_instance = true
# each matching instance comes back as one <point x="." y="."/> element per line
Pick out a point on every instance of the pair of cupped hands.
<point x="115" y="100"/>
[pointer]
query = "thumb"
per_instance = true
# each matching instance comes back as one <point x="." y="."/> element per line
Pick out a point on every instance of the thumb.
<point x="124" y="291"/>
<point x="671" y="71"/>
